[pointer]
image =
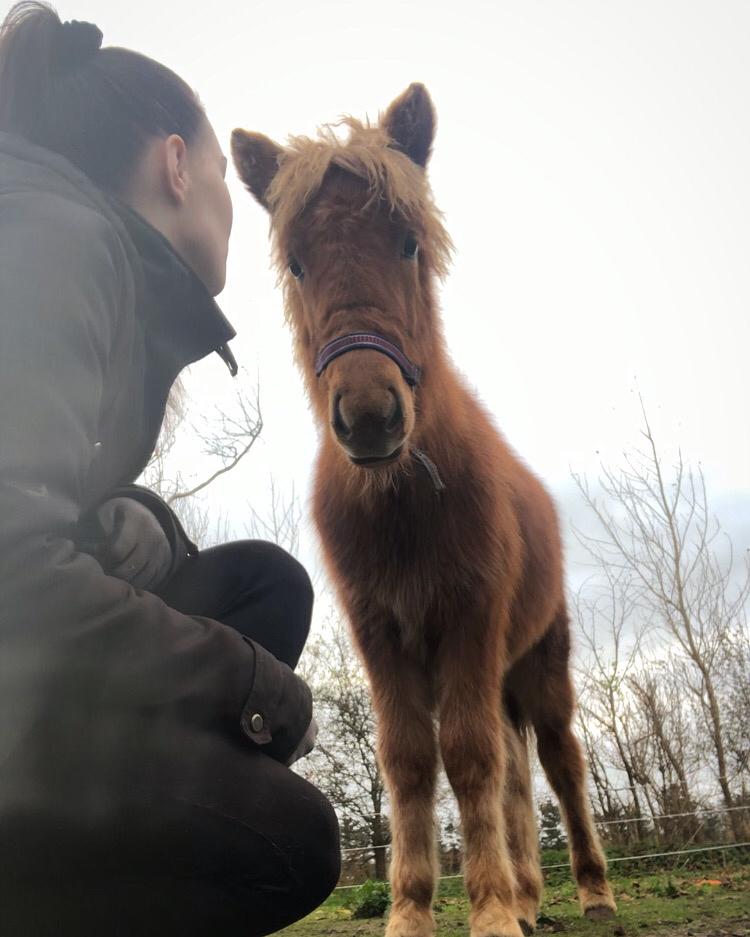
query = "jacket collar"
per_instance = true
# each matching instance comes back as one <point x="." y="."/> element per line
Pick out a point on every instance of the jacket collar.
<point x="175" y="303"/>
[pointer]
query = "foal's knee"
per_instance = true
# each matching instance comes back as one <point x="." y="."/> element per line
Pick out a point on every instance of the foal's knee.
<point x="411" y="777"/>
<point x="471" y="757"/>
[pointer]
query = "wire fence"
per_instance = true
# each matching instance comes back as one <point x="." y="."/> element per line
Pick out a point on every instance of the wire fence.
<point x="718" y="811"/>
<point x="652" y="855"/>
<point x="672" y="816"/>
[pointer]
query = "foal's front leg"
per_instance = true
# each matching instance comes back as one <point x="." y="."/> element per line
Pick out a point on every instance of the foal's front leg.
<point x="407" y="749"/>
<point x="471" y="742"/>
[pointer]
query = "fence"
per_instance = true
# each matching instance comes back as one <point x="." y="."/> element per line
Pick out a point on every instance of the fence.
<point x="686" y="849"/>
<point x="616" y="859"/>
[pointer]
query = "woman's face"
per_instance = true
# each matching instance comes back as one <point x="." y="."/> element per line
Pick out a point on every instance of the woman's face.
<point x="206" y="214"/>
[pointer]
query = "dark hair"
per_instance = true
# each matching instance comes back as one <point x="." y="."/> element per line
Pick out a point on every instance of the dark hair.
<point x="97" y="107"/>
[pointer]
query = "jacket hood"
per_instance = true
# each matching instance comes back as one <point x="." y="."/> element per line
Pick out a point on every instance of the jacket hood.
<point x="172" y="297"/>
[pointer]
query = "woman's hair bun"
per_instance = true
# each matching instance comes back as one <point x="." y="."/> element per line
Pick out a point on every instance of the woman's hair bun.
<point x="75" y="45"/>
<point x="98" y="109"/>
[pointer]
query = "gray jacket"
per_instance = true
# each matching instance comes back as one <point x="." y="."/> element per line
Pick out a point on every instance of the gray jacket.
<point x="98" y="315"/>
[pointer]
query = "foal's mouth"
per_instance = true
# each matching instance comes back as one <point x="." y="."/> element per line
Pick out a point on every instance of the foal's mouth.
<point x="373" y="461"/>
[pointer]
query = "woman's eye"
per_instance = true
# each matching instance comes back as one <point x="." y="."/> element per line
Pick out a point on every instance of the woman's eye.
<point x="295" y="268"/>
<point x="411" y="247"/>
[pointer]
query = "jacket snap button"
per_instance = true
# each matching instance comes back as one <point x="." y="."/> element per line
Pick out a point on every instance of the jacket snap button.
<point x="256" y="722"/>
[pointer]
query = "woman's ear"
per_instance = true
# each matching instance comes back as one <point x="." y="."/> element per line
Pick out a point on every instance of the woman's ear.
<point x="256" y="159"/>
<point x="174" y="167"/>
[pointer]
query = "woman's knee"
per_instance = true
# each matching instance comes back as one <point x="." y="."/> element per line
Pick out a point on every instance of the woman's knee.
<point x="274" y="599"/>
<point x="285" y="574"/>
<point x="295" y="579"/>
<point x="312" y="851"/>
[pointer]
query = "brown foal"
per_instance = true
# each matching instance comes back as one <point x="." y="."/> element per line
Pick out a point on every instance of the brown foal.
<point x="444" y="548"/>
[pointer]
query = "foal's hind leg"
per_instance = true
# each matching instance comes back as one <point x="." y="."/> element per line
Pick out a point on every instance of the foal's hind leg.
<point x="521" y="826"/>
<point x="472" y="745"/>
<point x="562" y="760"/>
<point x="543" y="685"/>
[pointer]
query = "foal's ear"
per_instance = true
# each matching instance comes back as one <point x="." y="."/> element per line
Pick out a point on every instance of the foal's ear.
<point x="257" y="161"/>
<point x="410" y="122"/>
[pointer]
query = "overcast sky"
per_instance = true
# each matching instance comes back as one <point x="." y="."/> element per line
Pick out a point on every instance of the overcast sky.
<point x="592" y="162"/>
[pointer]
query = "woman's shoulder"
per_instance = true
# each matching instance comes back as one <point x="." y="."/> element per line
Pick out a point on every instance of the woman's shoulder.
<point x="59" y="253"/>
<point x="49" y="213"/>
<point x="64" y="241"/>
<point x="48" y="205"/>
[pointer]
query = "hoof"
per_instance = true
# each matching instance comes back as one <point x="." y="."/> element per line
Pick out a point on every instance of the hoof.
<point x="527" y="910"/>
<point x="598" y="904"/>
<point x="494" y="920"/>
<point x="500" y="930"/>
<point x="410" y="923"/>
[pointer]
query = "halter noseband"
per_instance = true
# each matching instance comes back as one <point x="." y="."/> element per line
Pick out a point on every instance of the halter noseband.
<point x="368" y="340"/>
<point x="412" y="375"/>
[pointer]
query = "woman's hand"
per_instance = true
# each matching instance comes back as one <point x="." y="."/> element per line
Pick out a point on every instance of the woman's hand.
<point x="136" y="548"/>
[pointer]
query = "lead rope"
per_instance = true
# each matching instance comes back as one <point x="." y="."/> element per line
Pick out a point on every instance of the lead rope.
<point x="431" y="468"/>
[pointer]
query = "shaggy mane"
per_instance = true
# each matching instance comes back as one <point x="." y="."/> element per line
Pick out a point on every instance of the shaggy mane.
<point x="370" y="154"/>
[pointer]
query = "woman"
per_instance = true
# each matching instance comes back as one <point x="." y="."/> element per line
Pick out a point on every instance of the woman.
<point x="148" y="705"/>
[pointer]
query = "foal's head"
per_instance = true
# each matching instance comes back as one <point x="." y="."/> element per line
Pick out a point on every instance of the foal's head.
<point x="357" y="242"/>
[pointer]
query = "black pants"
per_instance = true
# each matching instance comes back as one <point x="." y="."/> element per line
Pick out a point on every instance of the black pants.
<point x="199" y="835"/>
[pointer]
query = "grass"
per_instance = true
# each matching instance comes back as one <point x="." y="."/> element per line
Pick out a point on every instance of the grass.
<point x="665" y="904"/>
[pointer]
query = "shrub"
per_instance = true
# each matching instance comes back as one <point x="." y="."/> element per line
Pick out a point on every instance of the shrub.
<point x="371" y="900"/>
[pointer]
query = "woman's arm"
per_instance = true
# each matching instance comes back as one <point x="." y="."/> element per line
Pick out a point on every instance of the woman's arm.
<point x="69" y="634"/>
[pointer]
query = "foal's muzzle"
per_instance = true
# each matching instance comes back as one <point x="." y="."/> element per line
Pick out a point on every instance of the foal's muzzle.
<point x="369" y="421"/>
<point x="372" y="434"/>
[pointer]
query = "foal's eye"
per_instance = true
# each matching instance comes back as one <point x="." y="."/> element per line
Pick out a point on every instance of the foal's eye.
<point x="411" y="247"/>
<point x="295" y="268"/>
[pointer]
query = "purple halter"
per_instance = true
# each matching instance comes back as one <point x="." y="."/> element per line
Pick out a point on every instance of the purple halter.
<point x="369" y="340"/>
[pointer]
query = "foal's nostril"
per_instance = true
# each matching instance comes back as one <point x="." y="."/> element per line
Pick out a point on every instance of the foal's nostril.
<point x="342" y="430"/>
<point x="396" y="417"/>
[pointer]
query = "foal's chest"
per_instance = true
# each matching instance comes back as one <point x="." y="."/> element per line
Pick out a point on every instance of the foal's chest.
<point x="409" y="556"/>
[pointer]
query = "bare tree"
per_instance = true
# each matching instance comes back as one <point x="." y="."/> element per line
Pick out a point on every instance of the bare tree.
<point x="282" y="522"/>
<point x="674" y="759"/>
<point x="735" y="697"/>
<point x="659" y="532"/>
<point x="611" y="635"/>
<point x="226" y="437"/>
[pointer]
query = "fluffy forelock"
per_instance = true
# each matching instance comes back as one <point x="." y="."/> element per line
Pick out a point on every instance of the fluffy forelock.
<point x="370" y="154"/>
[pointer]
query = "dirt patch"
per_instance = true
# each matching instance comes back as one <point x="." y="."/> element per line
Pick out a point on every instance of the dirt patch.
<point x="739" y="927"/>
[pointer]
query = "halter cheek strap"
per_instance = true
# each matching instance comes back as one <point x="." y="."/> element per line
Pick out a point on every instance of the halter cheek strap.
<point x="374" y="342"/>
